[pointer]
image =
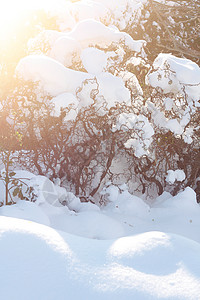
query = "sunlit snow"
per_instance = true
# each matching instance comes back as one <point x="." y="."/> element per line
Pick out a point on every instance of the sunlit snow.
<point x="61" y="248"/>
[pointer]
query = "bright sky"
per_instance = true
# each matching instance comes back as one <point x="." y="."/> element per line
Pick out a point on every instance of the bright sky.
<point x="11" y="11"/>
<point x="17" y="25"/>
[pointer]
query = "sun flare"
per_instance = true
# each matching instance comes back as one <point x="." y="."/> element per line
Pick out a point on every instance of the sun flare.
<point x="20" y="21"/>
<point x="12" y="13"/>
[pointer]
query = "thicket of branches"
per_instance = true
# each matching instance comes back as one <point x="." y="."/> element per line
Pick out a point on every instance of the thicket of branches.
<point x="170" y="28"/>
<point x="86" y="152"/>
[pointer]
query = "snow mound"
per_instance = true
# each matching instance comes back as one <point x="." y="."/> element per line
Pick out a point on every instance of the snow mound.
<point x="94" y="33"/>
<point x="46" y="264"/>
<point x="94" y="60"/>
<point x="90" y="224"/>
<point x="125" y="203"/>
<point x="52" y="75"/>
<point x="185" y="200"/>
<point x="25" y="210"/>
<point x="37" y="259"/>
<point x="178" y="214"/>
<point x="150" y="250"/>
<point x="64" y="50"/>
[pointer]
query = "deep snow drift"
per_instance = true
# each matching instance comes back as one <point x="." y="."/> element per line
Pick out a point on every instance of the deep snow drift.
<point x="40" y="263"/>
<point x="126" y="250"/>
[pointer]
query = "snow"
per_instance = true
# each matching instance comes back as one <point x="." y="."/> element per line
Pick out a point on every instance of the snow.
<point x="174" y="126"/>
<point x="55" y="79"/>
<point x="90" y="32"/>
<point x="139" y="142"/>
<point x="89" y="224"/>
<point x="171" y="124"/>
<point x="64" y="50"/>
<point x="52" y="75"/>
<point x="172" y="176"/>
<point x="125" y="214"/>
<point x="33" y="255"/>
<point x="61" y="248"/>
<point x="176" y="73"/>
<point x="178" y="214"/>
<point x="25" y="210"/>
<point x="82" y="10"/>
<point x="113" y="89"/>
<point x="178" y="78"/>
<point x="128" y="204"/>
<point x="63" y="101"/>
<point x="94" y="60"/>
<point x="123" y="12"/>
<point x="48" y="264"/>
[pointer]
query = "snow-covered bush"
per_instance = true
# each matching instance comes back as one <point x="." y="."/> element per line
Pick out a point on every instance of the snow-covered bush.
<point x="90" y="107"/>
<point x="77" y="142"/>
<point x="173" y="106"/>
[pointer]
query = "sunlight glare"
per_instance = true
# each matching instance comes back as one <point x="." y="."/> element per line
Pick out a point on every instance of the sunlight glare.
<point x="11" y="12"/>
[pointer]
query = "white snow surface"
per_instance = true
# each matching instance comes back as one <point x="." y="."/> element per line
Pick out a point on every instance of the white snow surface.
<point x="65" y="49"/>
<point x="94" y="60"/>
<point x="52" y="75"/>
<point x="90" y="32"/>
<point x="125" y="250"/>
<point x="49" y="264"/>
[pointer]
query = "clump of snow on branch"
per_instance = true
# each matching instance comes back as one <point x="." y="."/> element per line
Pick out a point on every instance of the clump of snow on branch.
<point x="176" y="75"/>
<point x="66" y="46"/>
<point x="177" y="175"/>
<point x="65" y="102"/>
<point x="141" y="132"/>
<point x="178" y="79"/>
<point x="52" y="75"/>
<point x="55" y="79"/>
